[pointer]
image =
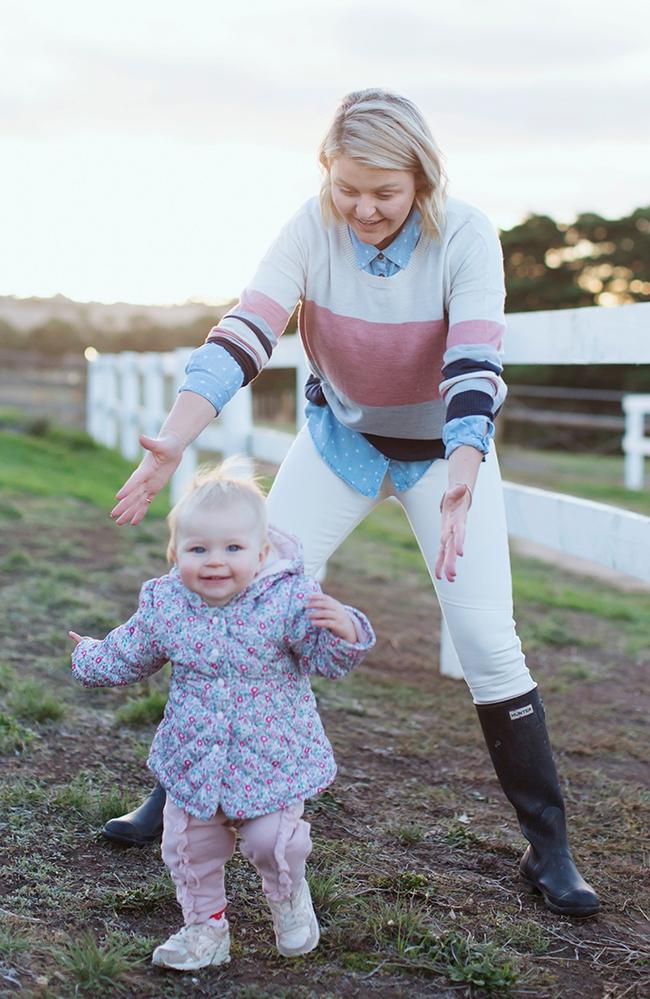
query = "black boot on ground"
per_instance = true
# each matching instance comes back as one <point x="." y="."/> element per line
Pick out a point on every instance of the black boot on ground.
<point x="516" y="736"/>
<point x="143" y="825"/>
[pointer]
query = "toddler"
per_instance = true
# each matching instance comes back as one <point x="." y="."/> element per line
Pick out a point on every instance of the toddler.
<point x="241" y="745"/>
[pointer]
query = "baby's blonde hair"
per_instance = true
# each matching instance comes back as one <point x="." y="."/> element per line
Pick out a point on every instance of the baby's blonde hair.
<point x="215" y="487"/>
<point x="382" y="130"/>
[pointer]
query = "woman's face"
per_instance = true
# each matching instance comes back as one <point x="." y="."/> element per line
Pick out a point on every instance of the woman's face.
<point x="375" y="203"/>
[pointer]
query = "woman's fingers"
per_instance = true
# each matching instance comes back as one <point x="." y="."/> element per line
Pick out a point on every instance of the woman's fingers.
<point x="452" y="545"/>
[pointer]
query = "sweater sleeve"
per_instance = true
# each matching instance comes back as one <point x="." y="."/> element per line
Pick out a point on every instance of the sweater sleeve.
<point x="318" y="650"/>
<point x="128" y="653"/>
<point x="241" y="344"/>
<point x="472" y="386"/>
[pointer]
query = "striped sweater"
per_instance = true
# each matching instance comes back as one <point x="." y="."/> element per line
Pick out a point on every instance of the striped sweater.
<point x="398" y="357"/>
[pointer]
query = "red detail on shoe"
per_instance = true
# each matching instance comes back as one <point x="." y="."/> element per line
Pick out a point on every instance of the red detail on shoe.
<point x="218" y="915"/>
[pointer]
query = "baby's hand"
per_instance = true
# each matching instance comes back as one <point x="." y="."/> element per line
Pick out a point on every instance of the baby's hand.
<point x="77" y="638"/>
<point x="326" y="612"/>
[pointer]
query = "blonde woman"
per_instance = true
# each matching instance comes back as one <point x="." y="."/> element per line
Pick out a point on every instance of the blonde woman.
<point x="402" y="296"/>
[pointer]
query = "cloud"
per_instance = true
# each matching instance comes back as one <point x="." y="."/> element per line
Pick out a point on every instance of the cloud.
<point x="495" y="74"/>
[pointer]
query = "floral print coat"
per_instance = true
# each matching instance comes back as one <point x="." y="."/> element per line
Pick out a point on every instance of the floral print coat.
<point x="241" y="730"/>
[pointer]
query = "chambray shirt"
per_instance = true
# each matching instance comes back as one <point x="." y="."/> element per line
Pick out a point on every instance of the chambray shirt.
<point x="347" y="452"/>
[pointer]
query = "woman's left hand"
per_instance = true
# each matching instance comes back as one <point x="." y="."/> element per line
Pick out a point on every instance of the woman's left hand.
<point x="456" y="502"/>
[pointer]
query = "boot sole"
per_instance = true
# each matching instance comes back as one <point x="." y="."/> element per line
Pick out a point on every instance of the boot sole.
<point x="129" y="841"/>
<point x="578" y="913"/>
<point x="117" y="836"/>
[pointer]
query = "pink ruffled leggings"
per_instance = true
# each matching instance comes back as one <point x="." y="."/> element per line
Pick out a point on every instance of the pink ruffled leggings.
<point x="196" y="852"/>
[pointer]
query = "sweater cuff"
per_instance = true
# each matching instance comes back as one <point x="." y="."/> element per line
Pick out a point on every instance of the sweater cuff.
<point x="214" y="374"/>
<point x="474" y="431"/>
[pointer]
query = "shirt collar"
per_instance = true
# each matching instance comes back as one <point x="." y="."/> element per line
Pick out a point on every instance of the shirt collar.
<point x="398" y="252"/>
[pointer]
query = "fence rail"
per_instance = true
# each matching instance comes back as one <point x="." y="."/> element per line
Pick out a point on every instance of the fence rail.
<point x="129" y="394"/>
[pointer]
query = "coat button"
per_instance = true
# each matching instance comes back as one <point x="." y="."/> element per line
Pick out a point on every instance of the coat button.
<point x="219" y="715"/>
<point x="221" y="683"/>
<point x="214" y="653"/>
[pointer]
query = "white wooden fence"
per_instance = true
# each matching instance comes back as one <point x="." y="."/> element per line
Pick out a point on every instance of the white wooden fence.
<point x="130" y="394"/>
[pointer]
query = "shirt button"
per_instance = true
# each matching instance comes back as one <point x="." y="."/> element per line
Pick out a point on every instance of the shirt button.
<point x="380" y="256"/>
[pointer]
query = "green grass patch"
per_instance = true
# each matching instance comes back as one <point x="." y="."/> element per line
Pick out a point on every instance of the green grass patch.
<point x="593" y="476"/>
<point x="83" y="798"/>
<point x="147" y="896"/>
<point x="31" y="701"/>
<point x="9" y="512"/>
<point x="461" y="958"/>
<point x="14" y="738"/>
<point x="401" y="923"/>
<point x="16" y="561"/>
<point x="96" y="968"/>
<point x="534" y="584"/>
<point x="145" y="710"/>
<point x="521" y="934"/>
<point x="23" y="793"/>
<point x="12" y="942"/>
<point x="407" y="833"/>
<point x="8" y="677"/>
<point x="49" y="465"/>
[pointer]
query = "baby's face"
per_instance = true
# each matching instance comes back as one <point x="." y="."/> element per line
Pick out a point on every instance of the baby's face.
<point x="219" y="552"/>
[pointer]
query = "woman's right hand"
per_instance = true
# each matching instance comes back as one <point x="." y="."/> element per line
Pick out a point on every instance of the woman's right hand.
<point x="163" y="457"/>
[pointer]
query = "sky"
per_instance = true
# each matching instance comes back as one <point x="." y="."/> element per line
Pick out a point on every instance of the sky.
<point x="150" y="150"/>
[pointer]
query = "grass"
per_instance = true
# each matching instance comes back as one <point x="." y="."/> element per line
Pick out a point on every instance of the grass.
<point x="408" y="833"/>
<point x="96" y="968"/>
<point x="12" y="942"/>
<point x="31" y="701"/>
<point x="413" y="899"/>
<point x="14" y="738"/>
<point x="145" y="710"/>
<point x="591" y="476"/>
<point x="146" y="896"/>
<point x="62" y="463"/>
<point x="81" y="797"/>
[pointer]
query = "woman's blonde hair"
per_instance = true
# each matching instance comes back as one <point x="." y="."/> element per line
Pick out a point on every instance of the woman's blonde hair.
<point x="387" y="132"/>
<point x="215" y="487"/>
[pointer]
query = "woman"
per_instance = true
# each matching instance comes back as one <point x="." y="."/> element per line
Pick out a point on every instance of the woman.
<point x="402" y="294"/>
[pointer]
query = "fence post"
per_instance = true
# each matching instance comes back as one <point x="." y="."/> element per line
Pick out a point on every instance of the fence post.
<point x="94" y="397"/>
<point x="109" y="431"/>
<point x="129" y="405"/>
<point x="633" y="439"/>
<point x="153" y="393"/>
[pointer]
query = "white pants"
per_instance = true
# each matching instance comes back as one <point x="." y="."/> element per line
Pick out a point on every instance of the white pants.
<point x="309" y="500"/>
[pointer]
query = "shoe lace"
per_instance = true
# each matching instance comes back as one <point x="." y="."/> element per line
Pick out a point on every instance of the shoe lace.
<point x="292" y="914"/>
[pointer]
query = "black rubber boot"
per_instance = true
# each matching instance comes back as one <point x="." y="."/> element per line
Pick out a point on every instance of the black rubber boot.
<point x="143" y="825"/>
<point x="516" y="736"/>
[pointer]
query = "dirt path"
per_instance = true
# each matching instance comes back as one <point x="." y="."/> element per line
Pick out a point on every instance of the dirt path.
<point x="414" y="863"/>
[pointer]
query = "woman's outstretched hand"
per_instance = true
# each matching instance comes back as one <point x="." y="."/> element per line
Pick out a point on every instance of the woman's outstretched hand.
<point x="163" y="457"/>
<point x="455" y="504"/>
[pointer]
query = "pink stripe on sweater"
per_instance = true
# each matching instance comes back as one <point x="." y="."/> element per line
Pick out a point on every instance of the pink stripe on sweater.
<point x="270" y="310"/>
<point x="375" y="364"/>
<point x="476" y="331"/>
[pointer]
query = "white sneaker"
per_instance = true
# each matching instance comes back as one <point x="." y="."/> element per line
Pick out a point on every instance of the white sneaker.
<point x="295" y="923"/>
<point x="195" y="946"/>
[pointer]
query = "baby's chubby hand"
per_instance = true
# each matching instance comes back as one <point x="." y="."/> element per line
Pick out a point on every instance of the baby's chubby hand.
<point x="326" y="612"/>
